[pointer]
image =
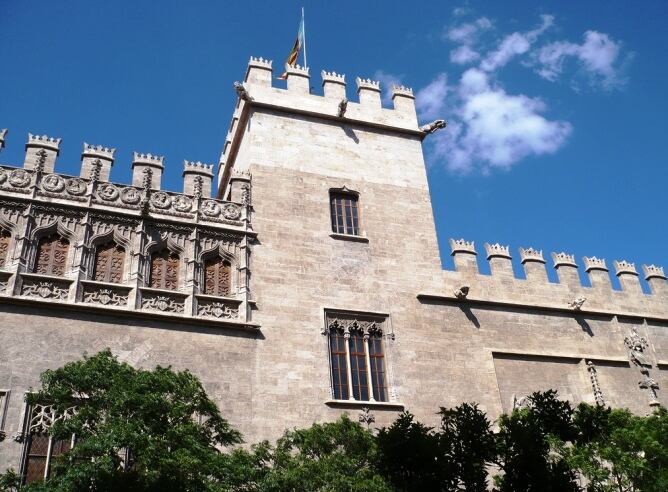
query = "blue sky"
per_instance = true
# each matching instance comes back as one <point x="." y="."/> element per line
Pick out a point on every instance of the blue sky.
<point x="556" y="110"/>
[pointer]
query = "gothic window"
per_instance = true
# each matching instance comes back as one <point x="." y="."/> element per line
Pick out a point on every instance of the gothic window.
<point x="5" y="239"/>
<point x="344" y="213"/>
<point x="357" y="359"/>
<point x="40" y="448"/>
<point x="217" y="277"/>
<point x="164" y="270"/>
<point x="109" y="260"/>
<point x="52" y="255"/>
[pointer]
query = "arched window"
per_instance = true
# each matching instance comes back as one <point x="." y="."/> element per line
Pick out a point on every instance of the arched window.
<point x="344" y="213"/>
<point x="164" y="270"/>
<point x="52" y="255"/>
<point x="217" y="277"/>
<point x="109" y="261"/>
<point x="5" y="239"/>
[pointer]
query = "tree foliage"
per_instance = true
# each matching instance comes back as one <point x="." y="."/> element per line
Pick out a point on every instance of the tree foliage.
<point x="150" y="430"/>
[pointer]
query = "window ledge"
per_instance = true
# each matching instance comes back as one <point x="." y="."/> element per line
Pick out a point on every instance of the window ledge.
<point x="349" y="237"/>
<point x="390" y="405"/>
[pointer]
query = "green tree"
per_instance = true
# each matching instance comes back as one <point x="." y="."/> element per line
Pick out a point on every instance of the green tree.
<point x="525" y="444"/>
<point x="336" y="456"/>
<point x="468" y="445"/>
<point x="162" y="419"/>
<point x="410" y="456"/>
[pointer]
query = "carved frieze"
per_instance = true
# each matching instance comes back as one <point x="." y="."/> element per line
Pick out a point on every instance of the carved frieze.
<point x="162" y="301"/>
<point x="354" y="324"/>
<point x="105" y="295"/>
<point x="43" y="288"/>
<point x="217" y="308"/>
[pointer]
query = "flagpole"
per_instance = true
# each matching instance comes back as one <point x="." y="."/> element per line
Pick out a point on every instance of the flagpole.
<point x="304" y="27"/>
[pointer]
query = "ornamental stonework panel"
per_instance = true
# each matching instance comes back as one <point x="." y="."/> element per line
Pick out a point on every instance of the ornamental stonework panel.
<point x="52" y="255"/>
<point x="109" y="262"/>
<point x="216" y="308"/>
<point x="105" y="295"/>
<point x="163" y="302"/>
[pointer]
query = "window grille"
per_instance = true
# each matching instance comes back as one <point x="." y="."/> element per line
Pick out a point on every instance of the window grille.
<point x="52" y="255"/>
<point x="109" y="261"/>
<point x="217" y="277"/>
<point x="344" y="213"/>
<point x="164" y="270"/>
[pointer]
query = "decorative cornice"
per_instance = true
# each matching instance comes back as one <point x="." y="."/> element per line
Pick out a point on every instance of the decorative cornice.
<point x="337" y="78"/>
<point x="148" y="159"/>
<point x="530" y="254"/>
<point x="624" y="267"/>
<point x="367" y="84"/>
<point x="100" y="151"/>
<point x="653" y="271"/>
<point x="401" y="90"/>
<point x="563" y="259"/>
<point x="497" y="250"/>
<point x="593" y="263"/>
<point x="43" y="141"/>
<point x="462" y="246"/>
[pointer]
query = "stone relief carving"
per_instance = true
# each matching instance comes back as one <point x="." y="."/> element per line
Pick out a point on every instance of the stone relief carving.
<point x="231" y="211"/>
<point x="19" y="178"/>
<point x="53" y="183"/>
<point x="217" y="309"/>
<point x="105" y="296"/>
<point x="366" y="417"/>
<point x="44" y="289"/>
<point x="210" y="208"/>
<point x="107" y="192"/>
<point x="42" y="417"/>
<point x="351" y="324"/>
<point x="75" y="186"/>
<point x="637" y="345"/>
<point x="161" y="200"/>
<point x="162" y="302"/>
<point x="182" y="203"/>
<point x="131" y="196"/>
<point x="593" y="375"/>
<point x="648" y="383"/>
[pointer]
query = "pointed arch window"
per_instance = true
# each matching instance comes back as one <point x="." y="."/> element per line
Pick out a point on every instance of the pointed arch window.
<point x="217" y="277"/>
<point x="5" y="240"/>
<point x="164" y="270"/>
<point x="52" y="255"/>
<point x="109" y="262"/>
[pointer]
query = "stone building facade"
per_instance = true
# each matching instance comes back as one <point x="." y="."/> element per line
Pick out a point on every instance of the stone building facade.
<point x="310" y="287"/>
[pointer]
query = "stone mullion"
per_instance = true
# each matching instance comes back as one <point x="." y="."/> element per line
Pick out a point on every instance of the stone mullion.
<point x="191" y="252"/>
<point x="346" y="337"/>
<point x="368" y="366"/>
<point x="137" y="267"/>
<point x="80" y="268"/>
<point x="243" y="278"/>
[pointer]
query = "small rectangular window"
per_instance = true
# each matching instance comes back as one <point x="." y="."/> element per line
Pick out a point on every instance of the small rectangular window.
<point x="344" y="212"/>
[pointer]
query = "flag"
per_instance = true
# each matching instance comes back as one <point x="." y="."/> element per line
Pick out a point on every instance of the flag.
<point x="296" y="48"/>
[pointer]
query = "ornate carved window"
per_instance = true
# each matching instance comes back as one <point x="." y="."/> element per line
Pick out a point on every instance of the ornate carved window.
<point x="164" y="270"/>
<point x="344" y="213"/>
<point x="52" y="255"/>
<point x="217" y="277"/>
<point x="40" y="448"/>
<point x="109" y="261"/>
<point x="357" y="357"/>
<point x="5" y="240"/>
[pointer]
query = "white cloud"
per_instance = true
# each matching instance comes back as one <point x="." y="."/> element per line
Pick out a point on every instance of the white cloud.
<point x="430" y="100"/>
<point x="490" y="128"/>
<point x="514" y="44"/>
<point x="387" y="80"/>
<point x="463" y="55"/>
<point x="598" y="56"/>
<point x="468" y="33"/>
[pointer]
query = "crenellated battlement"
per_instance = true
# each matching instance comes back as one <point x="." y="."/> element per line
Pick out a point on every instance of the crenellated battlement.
<point x="536" y="284"/>
<point x="44" y="141"/>
<point x="98" y="151"/>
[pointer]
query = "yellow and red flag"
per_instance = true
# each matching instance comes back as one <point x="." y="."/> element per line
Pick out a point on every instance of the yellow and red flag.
<point x="296" y="48"/>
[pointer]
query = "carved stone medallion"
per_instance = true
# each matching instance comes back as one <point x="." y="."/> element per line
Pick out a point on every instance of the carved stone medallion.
<point x="161" y="200"/>
<point x="53" y="183"/>
<point x="182" y="203"/>
<point x="131" y="196"/>
<point x="107" y="192"/>
<point x="231" y="211"/>
<point x="210" y="208"/>
<point x="75" y="186"/>
<point x="19" y="178"/>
